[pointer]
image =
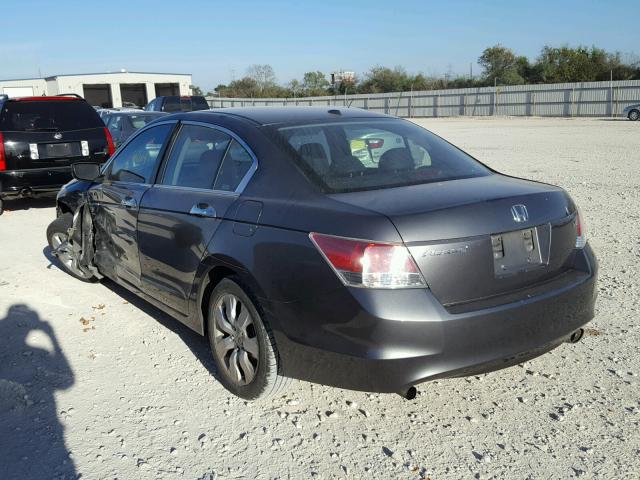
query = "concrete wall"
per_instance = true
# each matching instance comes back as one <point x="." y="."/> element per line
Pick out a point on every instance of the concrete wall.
<point x="38" y="86"/>
<point x="558" y="100"/>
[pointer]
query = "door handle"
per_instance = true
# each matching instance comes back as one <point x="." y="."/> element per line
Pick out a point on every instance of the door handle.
<point x="129" y="202"/>
<point x="203" y="210"/>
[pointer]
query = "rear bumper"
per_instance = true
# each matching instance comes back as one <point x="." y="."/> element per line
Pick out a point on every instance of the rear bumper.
<point x="33" y="182"/>
<point x="386" y="341"/>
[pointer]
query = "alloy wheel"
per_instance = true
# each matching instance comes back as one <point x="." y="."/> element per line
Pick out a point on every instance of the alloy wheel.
<point x="634" y="115"/>
<point x="64" y="252"/>
<point x="235" y="339"/>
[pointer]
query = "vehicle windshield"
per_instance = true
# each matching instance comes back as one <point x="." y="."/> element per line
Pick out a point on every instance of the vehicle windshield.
<point x="351" y="156"/>
<point x="60" y="115"/>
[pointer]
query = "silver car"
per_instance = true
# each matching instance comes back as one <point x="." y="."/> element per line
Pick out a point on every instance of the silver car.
<point x="632" y="112"/>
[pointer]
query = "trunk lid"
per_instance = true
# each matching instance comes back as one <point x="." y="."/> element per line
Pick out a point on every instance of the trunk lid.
<point x="449" y="228"/>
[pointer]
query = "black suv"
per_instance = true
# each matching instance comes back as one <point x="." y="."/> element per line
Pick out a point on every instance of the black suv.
<point x="177" y="104"/>
<point x="40" y="137"/>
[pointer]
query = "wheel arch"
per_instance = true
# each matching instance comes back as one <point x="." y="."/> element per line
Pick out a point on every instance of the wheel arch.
<point x="212" y="271"/>
<point x="64" y="208"/>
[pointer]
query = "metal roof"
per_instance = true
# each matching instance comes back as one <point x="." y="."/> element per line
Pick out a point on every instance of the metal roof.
<point x="53" y="77"/>
<point x="112" y="73"/>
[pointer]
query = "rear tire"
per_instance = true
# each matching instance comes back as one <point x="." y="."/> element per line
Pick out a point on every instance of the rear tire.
<point x="1" y="206"/>
<point x="634" y="115"/>
<point x="242" y="345"/>
<point x="57" y="236"/>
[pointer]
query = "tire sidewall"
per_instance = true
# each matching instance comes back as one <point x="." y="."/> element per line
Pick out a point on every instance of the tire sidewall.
<point x="633" y="113"/>
<point x="62" y="225"/>
<point x="59" y="225"/>
<point x="260" y="383"/>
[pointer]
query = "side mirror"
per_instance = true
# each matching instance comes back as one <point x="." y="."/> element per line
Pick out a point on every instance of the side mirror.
<point x="85" y="171"/>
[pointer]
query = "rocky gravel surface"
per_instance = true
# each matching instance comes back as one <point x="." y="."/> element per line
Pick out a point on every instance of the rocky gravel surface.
<point x="96" y="383"/>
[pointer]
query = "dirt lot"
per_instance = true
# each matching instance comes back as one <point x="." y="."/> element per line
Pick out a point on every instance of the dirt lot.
<point x="94" y="382"/>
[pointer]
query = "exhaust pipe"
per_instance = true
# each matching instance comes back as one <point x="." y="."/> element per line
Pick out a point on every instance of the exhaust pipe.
<point x="26" y="193"/>
<point x="576" y="336"/>
<point x="409" y="393"/>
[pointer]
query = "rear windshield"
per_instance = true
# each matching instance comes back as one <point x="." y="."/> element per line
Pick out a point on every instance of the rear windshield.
<point x="374" y="154"/>
<point x="48" y="116"/>
<point x="185" y="104"/>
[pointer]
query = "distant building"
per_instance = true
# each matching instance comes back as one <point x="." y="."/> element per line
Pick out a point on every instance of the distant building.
<point x="339" y="77"/>
<point x="103" y="89"/>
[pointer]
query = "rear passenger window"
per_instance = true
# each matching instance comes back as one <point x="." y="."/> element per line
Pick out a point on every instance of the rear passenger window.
<point x="195" y="157"/>
<point x="235" y="166"/>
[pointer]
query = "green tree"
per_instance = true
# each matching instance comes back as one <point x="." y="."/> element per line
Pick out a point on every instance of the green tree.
<point x="582" y="64"/>
<point x="295" y="87"/>
<point x="384" y="79"/>
<point x="502" y="65"/>
<point x="315" y="84"/>
<point x="245" y="87"/>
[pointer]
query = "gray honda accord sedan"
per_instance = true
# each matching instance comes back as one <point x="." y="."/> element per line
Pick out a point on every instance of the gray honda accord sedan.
<point x="332" y="245"/>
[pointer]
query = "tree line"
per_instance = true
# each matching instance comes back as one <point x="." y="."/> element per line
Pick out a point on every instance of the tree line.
<point x="500" y="66"/>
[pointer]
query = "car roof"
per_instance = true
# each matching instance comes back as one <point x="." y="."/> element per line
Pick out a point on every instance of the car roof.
<point x="302" y="114"/>
<point x="179" y="96"/>
<point x="56" y="98"/>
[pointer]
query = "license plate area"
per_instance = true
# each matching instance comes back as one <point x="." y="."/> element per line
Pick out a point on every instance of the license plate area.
<point x="516" y="252"/>
<point x="59" y="150"/>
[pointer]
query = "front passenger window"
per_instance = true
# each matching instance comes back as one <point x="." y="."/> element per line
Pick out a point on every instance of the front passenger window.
<point x="136" y="163"/>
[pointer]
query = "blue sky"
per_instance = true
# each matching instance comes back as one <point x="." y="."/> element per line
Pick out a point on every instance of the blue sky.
<point x="216" y="41"/>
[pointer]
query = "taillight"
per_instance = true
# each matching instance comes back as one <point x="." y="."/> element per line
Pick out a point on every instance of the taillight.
<point x="375" y="143"/>
<point x="3" y="158"/>
<point x="110" y="144"/>
<point x="581" y="230"/>
<point x="361" y="263"/>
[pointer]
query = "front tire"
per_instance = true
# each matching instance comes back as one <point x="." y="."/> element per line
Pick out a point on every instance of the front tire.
<point x="242" y="344"/>
<point x="58" y="238"/>
<point x="634" y="115"/>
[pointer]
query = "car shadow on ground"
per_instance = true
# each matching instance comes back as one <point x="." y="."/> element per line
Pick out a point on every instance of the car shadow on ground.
<point x="196" y="343"/>
<point x="28" y="203"/>
<point x="614" y="119"/>
<point x="33" y="368"/>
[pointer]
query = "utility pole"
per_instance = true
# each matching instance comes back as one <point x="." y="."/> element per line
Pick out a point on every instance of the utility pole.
<point x="470" y="70"/>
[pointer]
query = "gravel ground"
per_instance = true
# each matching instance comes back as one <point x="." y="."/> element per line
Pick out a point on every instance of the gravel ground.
<point x="98" y="384"/>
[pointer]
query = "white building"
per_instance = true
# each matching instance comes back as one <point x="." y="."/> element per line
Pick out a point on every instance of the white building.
<point x="103" y="89"/>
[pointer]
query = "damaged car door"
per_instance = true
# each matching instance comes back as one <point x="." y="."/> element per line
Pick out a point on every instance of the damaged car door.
<point x="117" y="198"/>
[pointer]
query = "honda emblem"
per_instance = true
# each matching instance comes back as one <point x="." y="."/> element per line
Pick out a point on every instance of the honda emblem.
<point x="519" y="213"/>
